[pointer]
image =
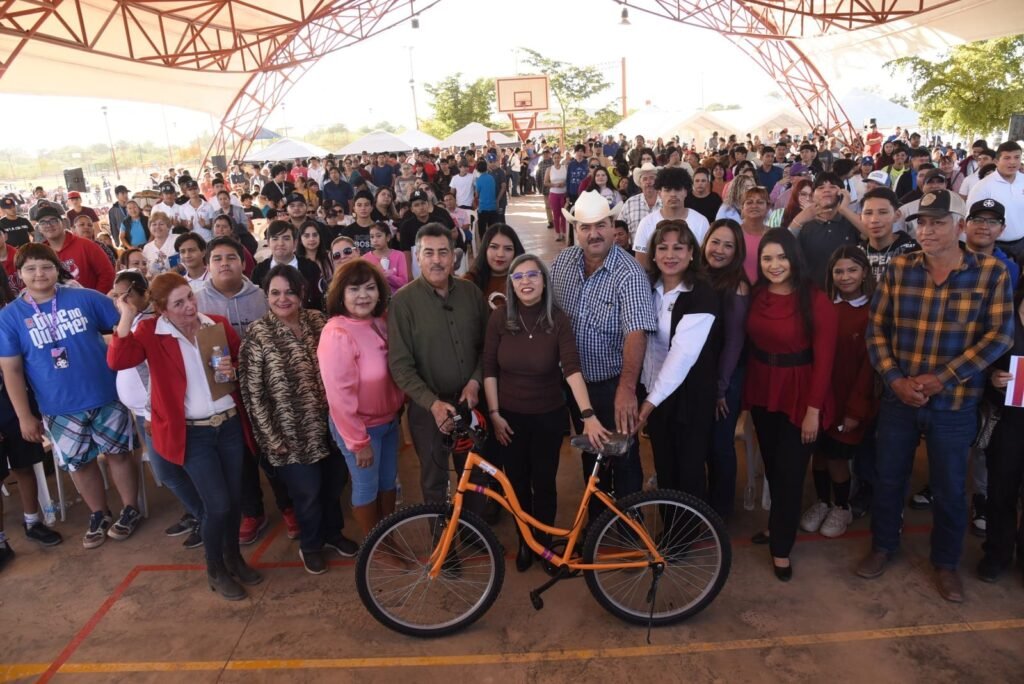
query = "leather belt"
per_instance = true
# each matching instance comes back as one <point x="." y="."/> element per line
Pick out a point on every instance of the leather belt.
<point x="216" y="420"/>
<point x="800" y="358"/>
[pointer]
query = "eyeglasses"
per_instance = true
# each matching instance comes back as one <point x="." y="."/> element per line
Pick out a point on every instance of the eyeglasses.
<point x="48" y="222"/>
<point x="531" y="275"/>
<point x="595" y="166"/>
<point x="990" y="222"/>
<point x="345" y="252"/>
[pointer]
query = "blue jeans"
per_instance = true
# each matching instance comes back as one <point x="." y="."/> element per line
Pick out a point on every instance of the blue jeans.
<point x="171" y="475"/>
<point x="627" y="475"/>
<point x="213" y="461"/>
<point x="380" y="476"/>
<point x="722" y="467"/>
<point x="948" y="436"/>
<point x="315" y="490"/>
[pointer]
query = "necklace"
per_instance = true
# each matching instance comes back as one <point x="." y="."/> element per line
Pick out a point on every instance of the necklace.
<point x="529" y="331"/>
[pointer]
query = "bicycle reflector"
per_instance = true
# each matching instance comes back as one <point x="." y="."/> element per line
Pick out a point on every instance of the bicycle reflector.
<point x="476" y="422"/>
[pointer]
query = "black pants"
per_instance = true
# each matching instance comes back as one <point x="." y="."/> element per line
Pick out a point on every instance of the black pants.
<point x="252" y="494"/>
<point x="486" y="219"/>
<point x="531" y="461"/>
<point x="681" y="450"/>
<point x="785" y="459"/>
<point x="1005" y="458"/>
<point x="316" y="490"/>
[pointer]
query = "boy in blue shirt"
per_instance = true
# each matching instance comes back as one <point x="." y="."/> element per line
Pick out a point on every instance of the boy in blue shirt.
<point x="486" y="189"/>
<point x="51" y="337"/>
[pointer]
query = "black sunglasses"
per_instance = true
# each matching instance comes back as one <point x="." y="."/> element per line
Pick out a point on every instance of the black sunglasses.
<point x="345" y="252"/>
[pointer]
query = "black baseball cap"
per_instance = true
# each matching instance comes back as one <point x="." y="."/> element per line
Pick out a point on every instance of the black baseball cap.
<point x="419" y="196"/>
<point x="295" y="197"/>
<point x="49" y="211"/>
<point x="932" y="174"/>
<point x="987" y="206"/>
<point x="168" y="187"/>
<point x="8" y="203"/>
<point x="119" y="189"/>
<point x="939" y="204"/>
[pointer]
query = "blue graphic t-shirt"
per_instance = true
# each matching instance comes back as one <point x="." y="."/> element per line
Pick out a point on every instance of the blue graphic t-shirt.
<point x="487" y="192"/>
<point x="87" y="382"/>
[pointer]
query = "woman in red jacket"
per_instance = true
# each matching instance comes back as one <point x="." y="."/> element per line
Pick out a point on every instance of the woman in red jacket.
<point x="853" y="384"/>
<point x="190" y="428"/>
<point x="791" y="342"/>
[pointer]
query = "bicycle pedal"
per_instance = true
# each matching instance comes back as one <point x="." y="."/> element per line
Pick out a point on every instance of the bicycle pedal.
<point x="536" y="600"/>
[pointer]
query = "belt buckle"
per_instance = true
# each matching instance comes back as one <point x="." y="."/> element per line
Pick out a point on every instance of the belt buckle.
<point x="217" y="419"/>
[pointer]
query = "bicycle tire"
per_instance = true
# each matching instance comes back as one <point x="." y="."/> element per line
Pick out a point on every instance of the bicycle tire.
<point x="399" y="547"/>
<point x="697" y="552"/>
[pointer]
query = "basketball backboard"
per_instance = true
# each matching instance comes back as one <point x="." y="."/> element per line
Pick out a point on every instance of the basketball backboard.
<point x="522" y="94"/>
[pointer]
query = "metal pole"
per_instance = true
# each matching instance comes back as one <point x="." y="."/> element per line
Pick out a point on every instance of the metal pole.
<point x="625" y="112"/>
<point x="167" y="134"/>
<point x="412" y="87"/>
<point x="110" y="139"/>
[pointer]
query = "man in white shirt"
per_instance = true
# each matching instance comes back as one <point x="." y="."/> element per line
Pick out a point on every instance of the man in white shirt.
<point x="463" y="186"/>
<point x="673" y="184"/>
<point x="983" y="158"/>
<point x="316" y="171"/>
<point x="1006" y="186"/>
<point x="192" y="214"/>
<point x="166" y="204"/>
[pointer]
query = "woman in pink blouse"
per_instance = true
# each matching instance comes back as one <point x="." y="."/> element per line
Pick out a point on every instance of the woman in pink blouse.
<point x="362" y="399"/>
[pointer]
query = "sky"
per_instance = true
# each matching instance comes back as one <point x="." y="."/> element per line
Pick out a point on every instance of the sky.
<point x="669" y="65"/>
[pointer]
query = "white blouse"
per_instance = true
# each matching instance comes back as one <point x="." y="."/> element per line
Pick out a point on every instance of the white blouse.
<point x="667" y="361"/>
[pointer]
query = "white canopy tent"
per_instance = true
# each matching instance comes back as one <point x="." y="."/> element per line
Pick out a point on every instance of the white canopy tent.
<point x="475" y="134"/>
<point x="377" y="141"/>
<point x="862" y="106"/>
<point x="286" y="149"/>
<point x="419" y="140"/>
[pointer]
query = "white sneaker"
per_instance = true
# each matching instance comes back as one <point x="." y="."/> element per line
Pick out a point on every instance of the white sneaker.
<point x="836" y="522"/>
<point x="812" y="518"/>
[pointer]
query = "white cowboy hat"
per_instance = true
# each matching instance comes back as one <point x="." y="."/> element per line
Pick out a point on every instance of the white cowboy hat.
<point x="591" y="207"/>
<point x="641" y="170"/>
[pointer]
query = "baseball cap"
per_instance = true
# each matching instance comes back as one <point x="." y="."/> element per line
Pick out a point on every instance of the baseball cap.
<point x="939" y="204"/>
<point x="294" y="198"/>
<point x="418" y="196"/>
<point x="189" y="184"/>
<point x="986" y="206"/>
<point x="74" y="194"/>
<point x="880" y="177"/>
<point x="119" y="189"/>
<point x="492" y="157"/>
<point x="49" y="211"/>
<point x="7" y="203"/>
<point x="167" y="187"/>
<point x="867" y="160"/>
<point x="932" y="174"/>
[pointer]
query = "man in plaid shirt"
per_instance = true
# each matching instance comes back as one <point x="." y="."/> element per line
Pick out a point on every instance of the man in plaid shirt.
<point x="940" y="317"/>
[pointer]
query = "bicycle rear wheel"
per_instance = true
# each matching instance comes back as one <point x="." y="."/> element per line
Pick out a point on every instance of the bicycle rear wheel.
<point x="392" y="573"/>
<point x="687" y="533"/>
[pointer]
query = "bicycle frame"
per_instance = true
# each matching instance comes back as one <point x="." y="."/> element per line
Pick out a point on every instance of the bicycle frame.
<point x="526" y="523"/>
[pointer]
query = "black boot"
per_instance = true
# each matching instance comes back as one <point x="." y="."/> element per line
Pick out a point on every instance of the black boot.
<point x="223" y="583"/>
<point x="524" y="558"/>
<point x="240" y="570"/>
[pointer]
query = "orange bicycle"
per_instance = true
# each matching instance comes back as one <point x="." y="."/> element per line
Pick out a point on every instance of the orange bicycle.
<point x="651" y="558"/>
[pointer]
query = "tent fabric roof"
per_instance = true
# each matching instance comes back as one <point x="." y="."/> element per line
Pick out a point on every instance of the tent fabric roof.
<point x="419" y="140"/>
<point x="286" y="148"/>
<point x="475" y="133"/>
<point x="862" y="106"/>
<point x="377" y="141"/>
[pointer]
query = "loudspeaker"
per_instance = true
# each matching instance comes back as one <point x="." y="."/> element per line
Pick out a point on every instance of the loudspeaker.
<point x="1016" y="127"/>
<point x="220" y="162"/>
<point x="74" y="179"/>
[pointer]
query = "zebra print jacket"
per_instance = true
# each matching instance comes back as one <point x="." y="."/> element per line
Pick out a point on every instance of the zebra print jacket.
<point x="282" y="389"/>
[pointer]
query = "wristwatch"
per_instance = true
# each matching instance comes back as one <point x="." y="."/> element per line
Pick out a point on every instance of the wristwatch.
<point x="589" y="413"/>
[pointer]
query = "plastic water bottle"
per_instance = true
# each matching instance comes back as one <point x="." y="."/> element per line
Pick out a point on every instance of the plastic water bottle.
<point x="398" y="491"/>
<point x="50" y="513"/>
<point x="217" y="353"/>
<point x="385" y="264"/>
<point x="748" y="497"/>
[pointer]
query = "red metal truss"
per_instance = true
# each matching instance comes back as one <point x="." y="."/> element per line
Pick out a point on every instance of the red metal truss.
<point x="768" y="32"/>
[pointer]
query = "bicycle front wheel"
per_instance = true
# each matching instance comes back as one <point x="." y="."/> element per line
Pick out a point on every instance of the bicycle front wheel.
<point x="392" y="573"/>
<point x="688" y="534"/>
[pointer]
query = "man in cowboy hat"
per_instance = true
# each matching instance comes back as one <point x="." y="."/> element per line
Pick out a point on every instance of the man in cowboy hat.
<point x="673" y="185"/>
<point x="607" y="297"/>
<point x="637" y="207"/>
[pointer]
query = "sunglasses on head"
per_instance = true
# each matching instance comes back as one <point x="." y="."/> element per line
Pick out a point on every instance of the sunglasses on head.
<point x="344" y="252"/>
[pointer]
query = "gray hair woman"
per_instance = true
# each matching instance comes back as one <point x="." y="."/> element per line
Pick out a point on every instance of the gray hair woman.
<point x="528" y="347"/>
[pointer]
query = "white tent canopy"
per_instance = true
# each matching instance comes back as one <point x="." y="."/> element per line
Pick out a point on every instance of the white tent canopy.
<point x="377" y="141"/>
<point x="475" y="134"/>
<point x="419" y="140"/>
<point x="286" y="148"/>
<point x="862" y="106"/>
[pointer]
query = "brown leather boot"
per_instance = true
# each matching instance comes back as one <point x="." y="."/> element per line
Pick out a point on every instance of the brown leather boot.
<point x="367" y="516"/>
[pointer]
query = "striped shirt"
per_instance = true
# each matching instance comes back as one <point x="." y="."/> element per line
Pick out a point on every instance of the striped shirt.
<point x="613" y="301"/>
<point x="954" y="330"/>
<point x="635" y="209"/>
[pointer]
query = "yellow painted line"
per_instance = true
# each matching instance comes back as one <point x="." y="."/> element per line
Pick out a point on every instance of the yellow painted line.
<point x="14" y="671"/>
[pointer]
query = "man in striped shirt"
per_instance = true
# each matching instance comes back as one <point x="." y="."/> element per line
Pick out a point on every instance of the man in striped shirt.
<point x="939" y="318"/>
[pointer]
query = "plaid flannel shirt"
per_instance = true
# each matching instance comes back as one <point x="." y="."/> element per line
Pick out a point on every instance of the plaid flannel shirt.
<point x="954" y="330"/>
<point x="635" y="209"/>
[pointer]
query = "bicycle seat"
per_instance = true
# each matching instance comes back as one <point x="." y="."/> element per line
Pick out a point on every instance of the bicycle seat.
<point x="617" y="444"/>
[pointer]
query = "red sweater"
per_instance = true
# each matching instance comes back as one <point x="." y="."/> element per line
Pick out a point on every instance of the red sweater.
<point x="853" y="378"/>
<point x="167" y="381"/>
<point x="87" y="263"/>
<point x="774" y="325"/>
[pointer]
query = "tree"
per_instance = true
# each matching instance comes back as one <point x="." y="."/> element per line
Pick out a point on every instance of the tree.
<point x="717" y="107"/>
<point x="974" y="88"/>
<point x="570" y="84"/>
<point x="456" y="105"/>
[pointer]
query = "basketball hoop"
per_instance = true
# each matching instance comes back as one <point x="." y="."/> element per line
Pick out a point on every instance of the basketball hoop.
<point x="522" y="98"/>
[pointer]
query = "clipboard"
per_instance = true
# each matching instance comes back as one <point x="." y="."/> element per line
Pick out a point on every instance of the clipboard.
<point x="207" y="338"/>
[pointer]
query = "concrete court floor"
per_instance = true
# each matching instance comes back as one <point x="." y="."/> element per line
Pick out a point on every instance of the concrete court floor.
<point x="140" y="611"/>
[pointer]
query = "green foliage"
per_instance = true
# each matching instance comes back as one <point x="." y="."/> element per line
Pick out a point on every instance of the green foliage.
<point x="456" y="104"/>
<point x="973" y="89"/>
<point x="570" y="84"/>
<point x="718" y="107"/>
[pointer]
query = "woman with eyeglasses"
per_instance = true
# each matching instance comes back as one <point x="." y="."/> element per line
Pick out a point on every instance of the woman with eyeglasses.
<point x="680" y="368"/>
<point x="133" y="391"/>
<point x="286" y="401"/>
<point x="343" y="250"/>
<point x="391" y="262"/>
<point x="499" y="246"/>
<point x="529" y="347"/>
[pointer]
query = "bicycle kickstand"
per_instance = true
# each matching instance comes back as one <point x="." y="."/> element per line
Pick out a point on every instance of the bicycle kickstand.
<point x="657" y="569"/>
<point x="535" y="599"/>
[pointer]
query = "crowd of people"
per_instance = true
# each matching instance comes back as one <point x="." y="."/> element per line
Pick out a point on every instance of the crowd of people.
<point x="279" y="322"/>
